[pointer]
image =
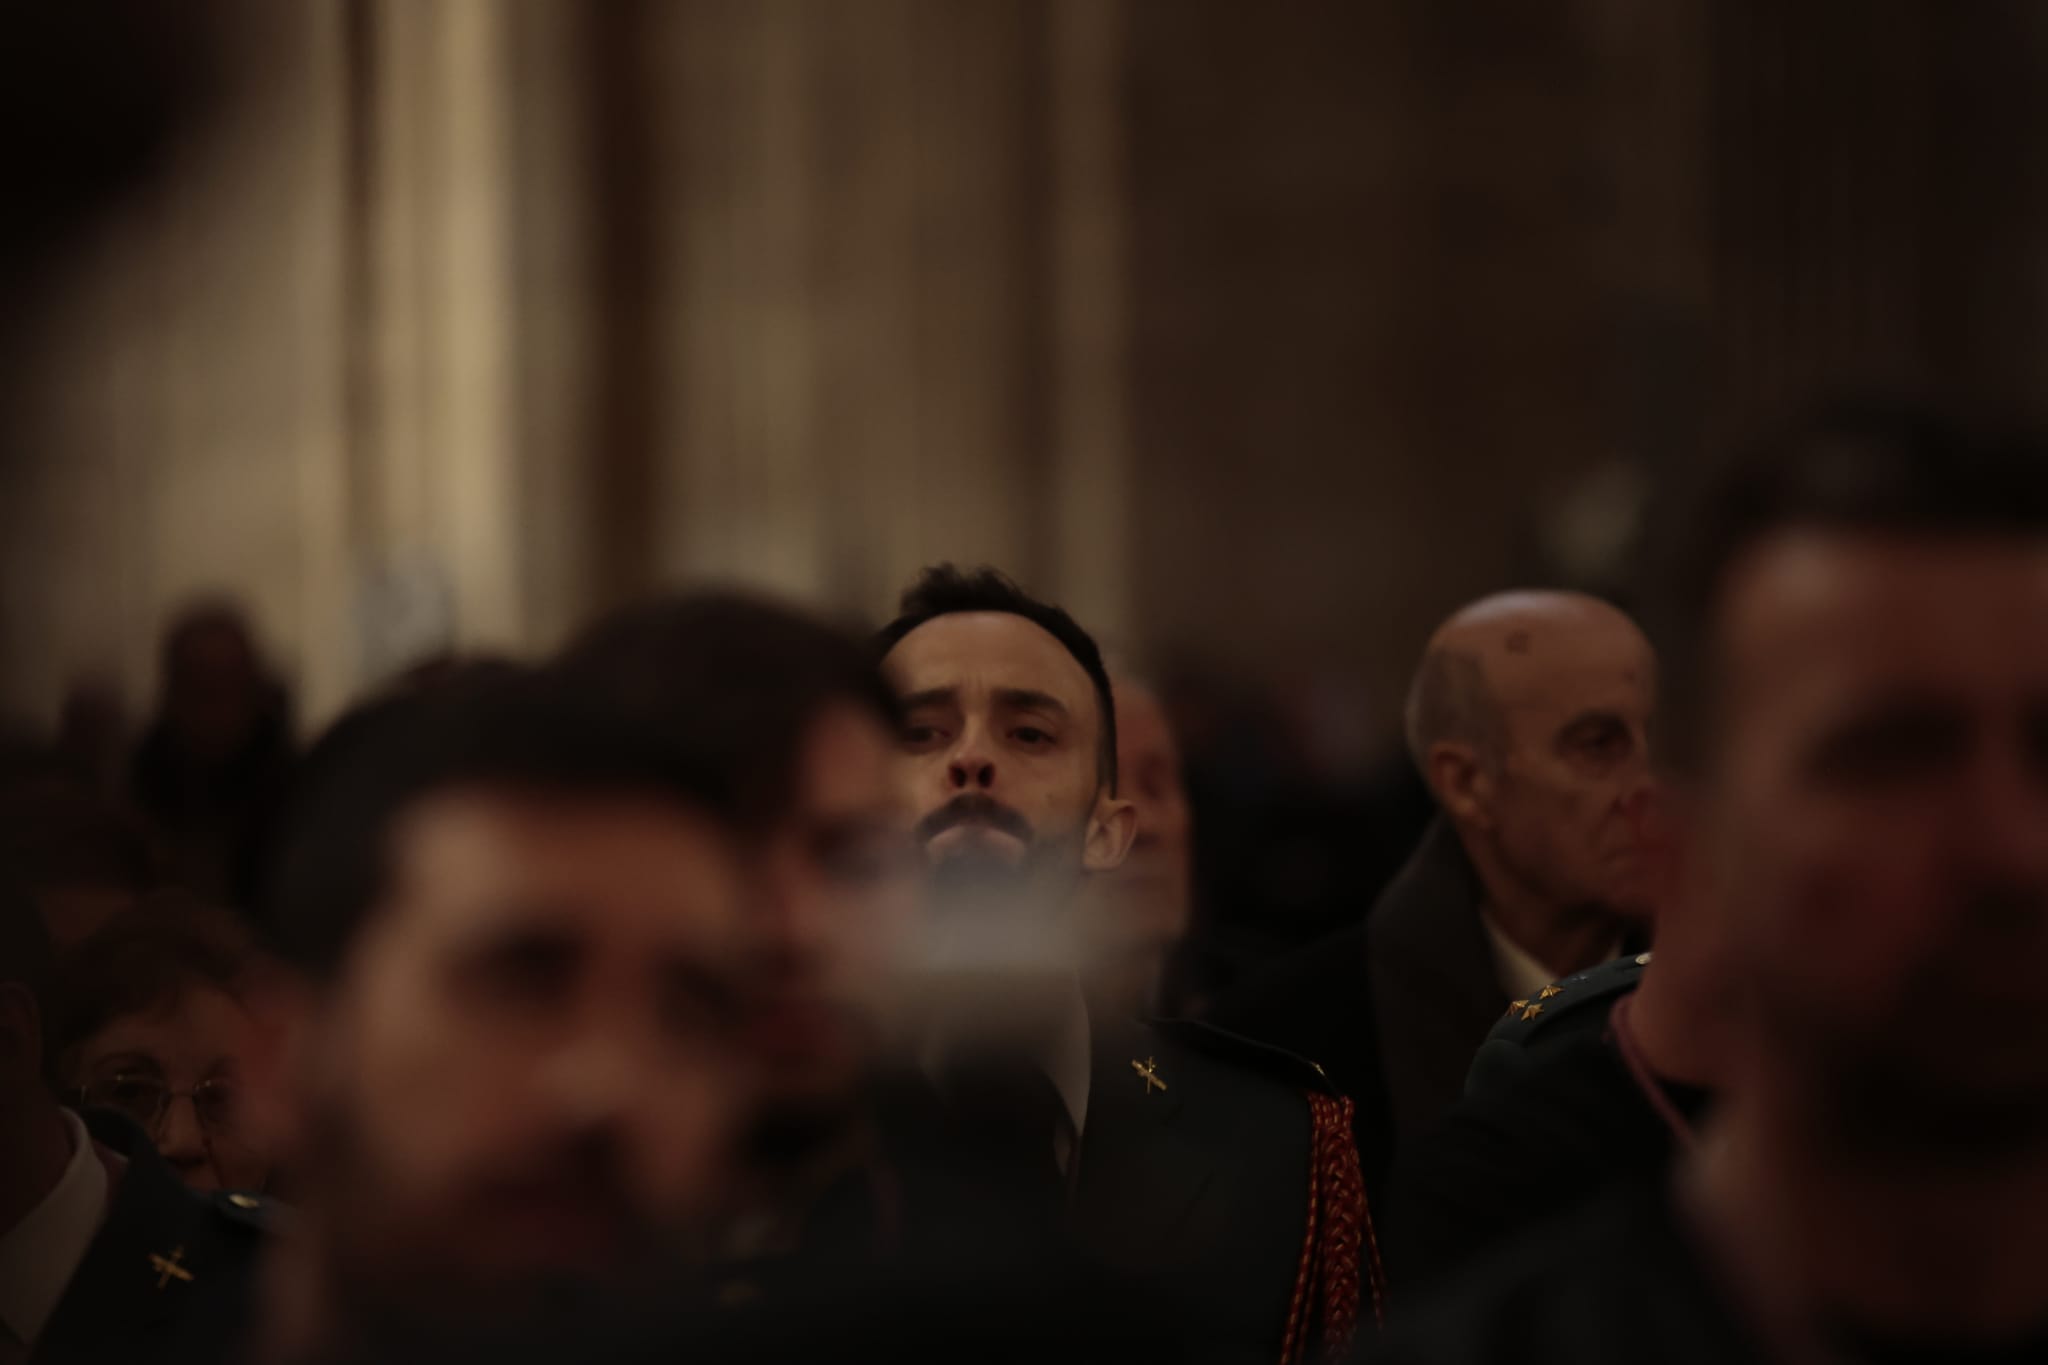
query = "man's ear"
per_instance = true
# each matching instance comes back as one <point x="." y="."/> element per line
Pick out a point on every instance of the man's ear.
<point x="1111" y="829"/>
<point x="1463" y="786"/>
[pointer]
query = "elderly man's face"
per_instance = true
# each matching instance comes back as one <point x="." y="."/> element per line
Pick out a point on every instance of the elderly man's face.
<point x="1875" y="819"/>
<point x="1574" y="706"/>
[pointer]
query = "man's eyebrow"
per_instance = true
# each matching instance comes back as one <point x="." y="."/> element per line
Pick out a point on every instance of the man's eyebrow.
<point x="931" y="696"/>
<point x="1025" y="699"/>
<point x="1596" y="716"/>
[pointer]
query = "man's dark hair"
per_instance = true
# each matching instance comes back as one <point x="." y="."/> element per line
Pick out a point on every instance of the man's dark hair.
<point x="946" y="590"/>
<point x="144" y="960"/>
<point x="513" y="729"/>
<point x="1858" y="467"/>
<point x="735" y="679"/>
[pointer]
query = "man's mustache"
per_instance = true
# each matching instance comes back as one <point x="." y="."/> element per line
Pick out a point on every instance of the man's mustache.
<point x="974" y="810"/>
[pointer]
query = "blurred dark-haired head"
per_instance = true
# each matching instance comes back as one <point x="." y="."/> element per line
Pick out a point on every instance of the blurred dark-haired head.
<point x="1856" y="615"/>
<point x="511" y="1059"/>
<point x="794" y="715"/>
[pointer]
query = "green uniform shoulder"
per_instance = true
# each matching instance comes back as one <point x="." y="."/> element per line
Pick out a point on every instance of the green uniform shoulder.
<point x="1247" y="1054"/>
<point x="246" y="1214"/>
<point x="1564" y="1008"/>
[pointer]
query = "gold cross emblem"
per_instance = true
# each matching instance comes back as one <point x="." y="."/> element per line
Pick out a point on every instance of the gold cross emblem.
<point x="167" y="1267"/>
<point x="1148" y="1071"/>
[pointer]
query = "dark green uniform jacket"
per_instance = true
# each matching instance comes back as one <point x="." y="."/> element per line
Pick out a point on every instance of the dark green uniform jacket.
<point x="169" y="1278"/>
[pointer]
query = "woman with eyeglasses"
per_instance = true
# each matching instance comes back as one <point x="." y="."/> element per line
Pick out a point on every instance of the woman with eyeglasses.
<point x="152" y="1023"/>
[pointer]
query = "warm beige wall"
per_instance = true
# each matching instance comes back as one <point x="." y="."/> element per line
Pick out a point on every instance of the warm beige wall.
<point x="1277" y="328"/>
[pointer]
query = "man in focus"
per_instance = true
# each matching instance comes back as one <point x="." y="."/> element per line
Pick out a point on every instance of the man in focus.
<point x="1188" y="1155"/>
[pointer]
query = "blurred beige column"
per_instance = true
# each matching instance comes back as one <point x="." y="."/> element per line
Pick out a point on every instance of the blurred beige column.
<point x="890" y="305"/>
<point x="435" y="501"/>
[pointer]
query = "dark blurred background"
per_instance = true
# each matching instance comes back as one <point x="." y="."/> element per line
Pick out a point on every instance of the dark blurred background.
<point x="1261" y="335"/>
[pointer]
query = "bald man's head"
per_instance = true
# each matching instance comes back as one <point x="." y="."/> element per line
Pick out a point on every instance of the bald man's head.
<point x="1528" y="717"/>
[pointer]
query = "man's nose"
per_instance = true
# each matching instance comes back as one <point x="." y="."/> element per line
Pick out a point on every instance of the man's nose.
<point x="181" y="1141"/>
<point x="972" y="767"/>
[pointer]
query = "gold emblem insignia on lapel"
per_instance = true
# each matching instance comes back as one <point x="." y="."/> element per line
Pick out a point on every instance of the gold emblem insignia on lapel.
<point x="1516" y="1007"/>
<point x="1548" y="991"/>
<point x="1148" y="1071"/>
<point x="168" y="1269"/>
<point x="1532" y="1011"/>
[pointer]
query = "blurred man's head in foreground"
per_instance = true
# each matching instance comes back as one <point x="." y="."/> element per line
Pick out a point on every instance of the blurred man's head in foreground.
<point x="1528" y="718"/>
<point x="1857" y="623"/>
<point x="152" y="1020"/>
<point x="1009" y="741"/>
<point x="796" y="717"/>
<point x="513" y="1059"/>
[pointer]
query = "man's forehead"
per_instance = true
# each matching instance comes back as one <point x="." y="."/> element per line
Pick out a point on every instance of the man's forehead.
<point x="470" y="861"/>
<point x="1801" y="601"/>
<point x="975" y="650"/>
<point x="1592" y="665"/>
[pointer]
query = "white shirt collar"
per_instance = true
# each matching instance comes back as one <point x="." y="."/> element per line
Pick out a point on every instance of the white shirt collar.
<point x="1519" y="974"/>
<point x="39" y="1254"/>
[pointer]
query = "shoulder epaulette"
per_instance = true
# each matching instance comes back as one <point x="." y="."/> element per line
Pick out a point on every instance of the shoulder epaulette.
<point x="1562" y="1008"/>
<point x="1276" y="1063"/>
<point x="255" y="1212"/>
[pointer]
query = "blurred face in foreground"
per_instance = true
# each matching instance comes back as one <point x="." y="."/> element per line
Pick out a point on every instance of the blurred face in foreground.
<point x="526" y="1071"/>
<point x="1875" y="824"/>
<point x="840" y="888"/>
<point x="1000" y="755"/>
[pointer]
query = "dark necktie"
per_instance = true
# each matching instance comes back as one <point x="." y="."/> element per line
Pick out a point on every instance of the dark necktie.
<point x="1010" y="1116"/>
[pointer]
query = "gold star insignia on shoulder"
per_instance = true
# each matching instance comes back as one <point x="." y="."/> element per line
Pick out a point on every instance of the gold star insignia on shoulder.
<point x="1548" y="991"/>
<point x="167" y="1267"/>
<point x="1531" y="1012"/>
<point x="1515" y="1006"/>
<point x="1148" y="1071"/>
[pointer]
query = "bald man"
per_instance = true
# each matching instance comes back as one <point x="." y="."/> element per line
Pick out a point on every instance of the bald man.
<point x="1527" y="718"/>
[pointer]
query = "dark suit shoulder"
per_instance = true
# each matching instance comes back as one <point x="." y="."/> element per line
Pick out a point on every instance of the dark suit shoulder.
<point x="169" y="1277"/>
<point x="1561" y="1011"/>
<point x="1245" y="1055"/>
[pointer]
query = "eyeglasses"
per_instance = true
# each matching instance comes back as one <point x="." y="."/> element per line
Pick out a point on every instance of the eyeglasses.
<point x="216" y="1101"/>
